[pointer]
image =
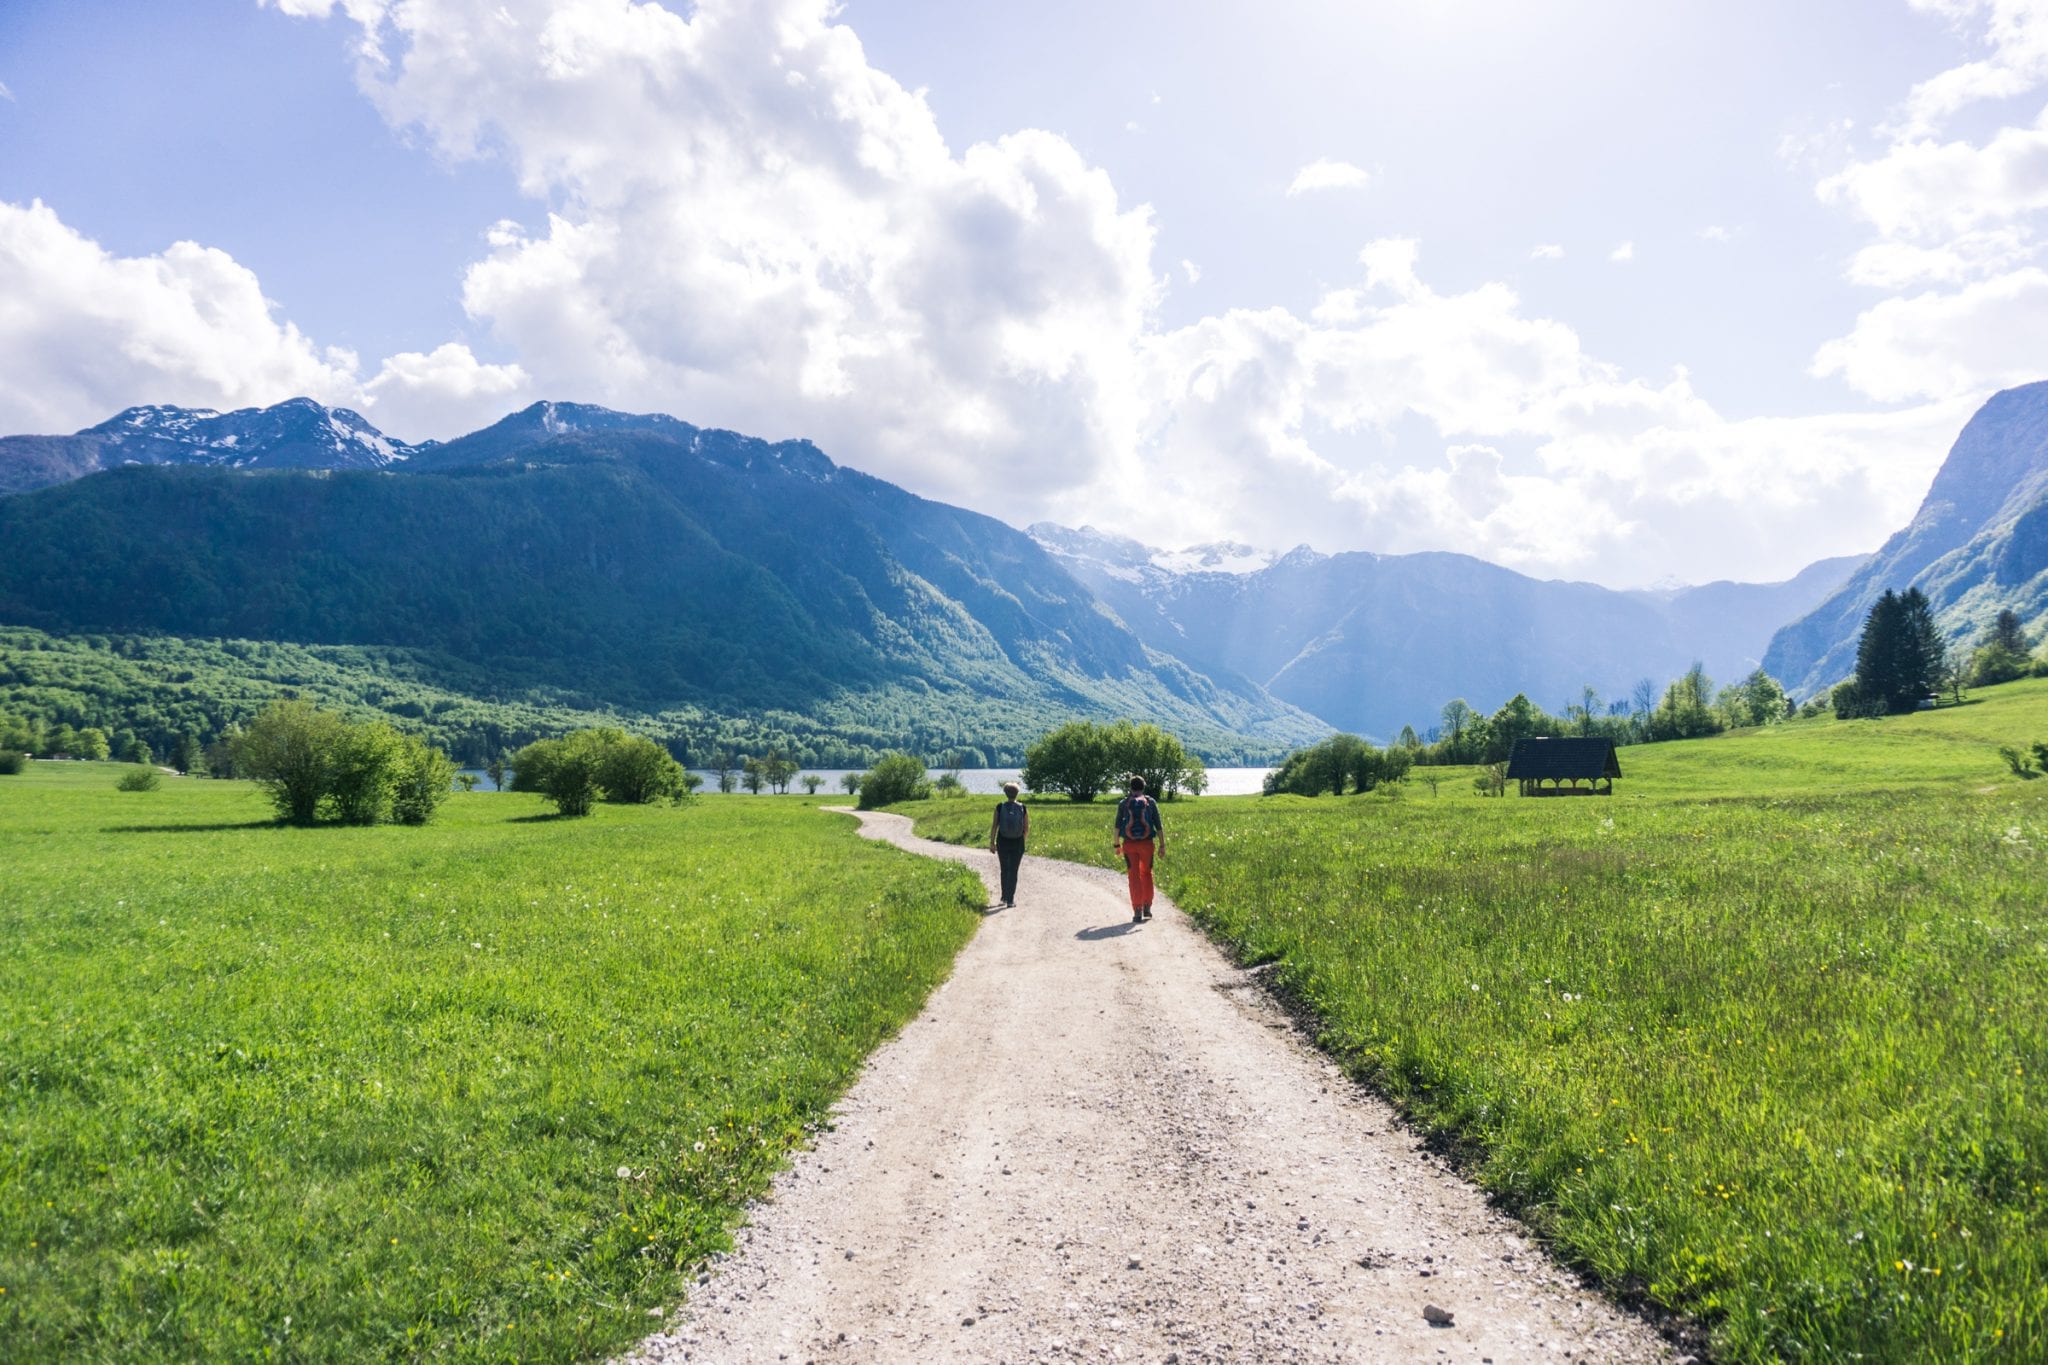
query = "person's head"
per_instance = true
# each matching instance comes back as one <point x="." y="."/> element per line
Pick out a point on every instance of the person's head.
<point x="1010" y="790"/>
<point x="1137" y="786"/>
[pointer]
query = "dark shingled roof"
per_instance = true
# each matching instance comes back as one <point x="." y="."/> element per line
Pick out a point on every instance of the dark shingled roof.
<point x="1563" y="759"/>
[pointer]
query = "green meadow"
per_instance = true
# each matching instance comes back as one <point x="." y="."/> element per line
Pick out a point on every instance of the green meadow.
<point x="482" y="1090"/>
<point x="1760" y="1039"/>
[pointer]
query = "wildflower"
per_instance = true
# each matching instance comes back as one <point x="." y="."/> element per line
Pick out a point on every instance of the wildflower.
<point x="625" y="1172"/>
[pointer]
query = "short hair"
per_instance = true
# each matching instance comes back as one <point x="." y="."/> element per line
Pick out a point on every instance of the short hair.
<point x="1010" y="789"/>
<point x="1137" y="784"/>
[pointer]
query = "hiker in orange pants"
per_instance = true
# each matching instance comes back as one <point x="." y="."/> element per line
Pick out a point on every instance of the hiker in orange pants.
<point x="1140" y="834"/>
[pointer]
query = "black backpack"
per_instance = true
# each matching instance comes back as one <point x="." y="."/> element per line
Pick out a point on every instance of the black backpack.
<point x="1010" y="820"/>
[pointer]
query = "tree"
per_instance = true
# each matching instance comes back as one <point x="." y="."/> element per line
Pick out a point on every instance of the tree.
<point x="1589" y="707"/>
<point x="895" y="777"/>
<point x="1687" y="710"/>
<point x="1899" y="654"/>
<point x="466" y="781"/>
<point x="850" y="781"/>
<point x="420" y="777"/>
<point x="634" y="770"/>
<point x="1408" y="739"/>
<point x="723" y="765"/>
<point x="187" y="756"/>
<point x="811" y="783"/>
<point x="1957" y="668"/>
<point x="92" y="744"/>
<point x="1458" y="716"/>
<point x="362" y="767"/>
<point x="496" y="772"/>
<point x="562" y="770"/>
<point x="754" y="773"/>
<point x="286" y="748"/>
<point x="949" y="784"/>
<point x="2007" y="632"/>
<point x="1074" y="759"/>
<point x="1151" y="753"/>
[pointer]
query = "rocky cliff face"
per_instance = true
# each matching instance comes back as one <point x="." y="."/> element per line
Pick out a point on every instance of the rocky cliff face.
<point x="1978" y="543"/>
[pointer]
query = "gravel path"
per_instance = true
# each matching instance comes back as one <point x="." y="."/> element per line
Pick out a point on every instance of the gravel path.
<point x="1100" y="1141"/>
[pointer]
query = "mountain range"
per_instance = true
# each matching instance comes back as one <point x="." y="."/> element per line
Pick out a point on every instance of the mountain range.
<point x="639" y="562"/>
<point x="1373" y="642"/>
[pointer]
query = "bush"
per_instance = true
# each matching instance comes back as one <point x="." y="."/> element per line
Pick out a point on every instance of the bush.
<point x="140" y="780"/>
<point x="896" y="777"/>
<point x="307" y="759"/>
<point x="563" y="770"/>
<point x="362" y="766"/>
<point x="2016" y="761"/>
<point x="12" y="761"/>
<point x="421" y="776"/>
<point x="949" y="784"/>
<point x="286" y="749"/>
<point x="636" y="770"/>
<point x="1995" y="663"/>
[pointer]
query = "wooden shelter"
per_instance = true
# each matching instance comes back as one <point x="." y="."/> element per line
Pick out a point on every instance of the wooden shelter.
<point x="1557" y="767"/>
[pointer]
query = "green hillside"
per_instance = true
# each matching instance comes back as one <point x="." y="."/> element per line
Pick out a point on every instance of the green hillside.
<point x="639" y="570"/>
<point x="1763" y="1038"/>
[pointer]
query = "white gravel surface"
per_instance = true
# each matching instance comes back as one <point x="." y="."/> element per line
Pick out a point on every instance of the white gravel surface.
<point x="1101" y="1141"/>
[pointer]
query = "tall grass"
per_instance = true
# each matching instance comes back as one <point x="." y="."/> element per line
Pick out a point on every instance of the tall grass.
<point x="478" y="1091"/>
<point x="1775" y="1061"/>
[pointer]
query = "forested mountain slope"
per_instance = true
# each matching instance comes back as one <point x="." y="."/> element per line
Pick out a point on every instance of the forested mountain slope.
<point x="641" y="563"/>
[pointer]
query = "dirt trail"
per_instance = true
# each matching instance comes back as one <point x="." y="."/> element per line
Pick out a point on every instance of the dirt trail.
<point x="1101" y="1142"/>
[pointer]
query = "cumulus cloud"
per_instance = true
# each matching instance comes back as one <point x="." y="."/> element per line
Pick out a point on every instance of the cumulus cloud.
<point x="2015" y="32"/>
<point x="1956" y="218"/>
<point x="87" y="333"/>
<point x="749" y="225"/>
<point x="444" y="391"/>
<point x="1546" y="251"/>
<point x="1325" y="174"/>
<point x="1623" y="254"/>
<point x="1986" y="335"/>
<point x="1191" y="270"/>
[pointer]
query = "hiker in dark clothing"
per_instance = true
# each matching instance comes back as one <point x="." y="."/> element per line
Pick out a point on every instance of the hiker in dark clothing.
<point x="1139" y="834"/>
<point x="1006" y="832"/>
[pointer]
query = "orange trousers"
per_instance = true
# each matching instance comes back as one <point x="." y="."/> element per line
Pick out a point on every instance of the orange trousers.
<point x="1138" y="858"/>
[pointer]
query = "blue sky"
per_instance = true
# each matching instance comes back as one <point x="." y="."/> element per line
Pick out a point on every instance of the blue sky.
<point x="1594" y="289"/>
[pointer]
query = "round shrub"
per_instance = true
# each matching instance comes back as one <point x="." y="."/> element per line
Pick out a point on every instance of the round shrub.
<point x="896" y="777"/>
<point x="140" y="780"/>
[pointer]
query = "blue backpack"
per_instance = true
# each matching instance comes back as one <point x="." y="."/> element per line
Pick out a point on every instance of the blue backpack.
<point x="1010" y="820"/>
<point x="1138" y="818"/>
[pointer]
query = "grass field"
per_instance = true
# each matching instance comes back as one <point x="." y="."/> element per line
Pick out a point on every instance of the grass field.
<point x="1762" y="1037"/>
<point x="475" y="1091"/>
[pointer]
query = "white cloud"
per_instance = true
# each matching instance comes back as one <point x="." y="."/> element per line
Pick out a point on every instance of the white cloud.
<point x="1984" y="336"/>
<point x="87" y="333"/>
<point x="1191" y="270"/>
<point x="445" y="391"/>
<point x="1958" y="219"/>
<point x="2015" y="31"/>
<point x="1714" y="232"/>
<point x="5" y="93"/>
<point x="1924" y="189"/>
<point x="752" y="227"/>
<point x="1325" y="174"/>
<point x="1546" y="251"/>
<point x="1623" y="253"/>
